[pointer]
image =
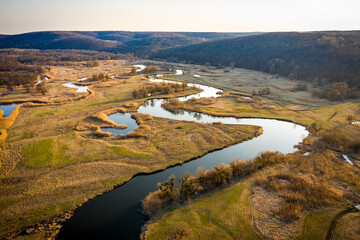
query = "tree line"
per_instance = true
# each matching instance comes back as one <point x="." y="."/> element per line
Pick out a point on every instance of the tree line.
<point x="322" y="58"/>
<point x="13" y="73"/>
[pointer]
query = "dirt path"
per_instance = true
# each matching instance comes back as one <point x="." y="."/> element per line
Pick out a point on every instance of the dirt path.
<point x="336" y="219"/>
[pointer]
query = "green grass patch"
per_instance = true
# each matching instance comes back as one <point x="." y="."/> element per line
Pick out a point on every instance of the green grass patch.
<point x="43" y="154"/>
<point x="30" y="217"/>
<point x="316" y="225"/>
<point x="224" y="215"/>
<point x="124" y="152"/>
<point x="187" y="127"/>
<point x="48" y="153"/>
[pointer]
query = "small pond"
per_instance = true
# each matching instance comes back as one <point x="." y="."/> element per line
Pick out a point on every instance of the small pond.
<point x="7" y="109"/>
<point x="121" y="118"/>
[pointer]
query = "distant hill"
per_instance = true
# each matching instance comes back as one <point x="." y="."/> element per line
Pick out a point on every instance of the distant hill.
<point x="313" y="56"/>
<point x="56" y="40"/>
<point x="140" y="43"/>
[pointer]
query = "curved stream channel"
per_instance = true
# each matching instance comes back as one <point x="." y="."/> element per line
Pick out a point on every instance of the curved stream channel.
<point x="117" y="214"/>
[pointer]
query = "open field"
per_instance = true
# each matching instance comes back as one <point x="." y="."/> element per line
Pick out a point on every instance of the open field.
<point x="49" y="166"/>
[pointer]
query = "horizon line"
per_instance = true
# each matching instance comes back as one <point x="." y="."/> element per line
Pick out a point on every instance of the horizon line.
<point x="180" y="31"/>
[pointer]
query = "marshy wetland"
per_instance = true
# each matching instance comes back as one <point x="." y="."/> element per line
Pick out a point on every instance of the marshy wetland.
<point x="64" y="154"/>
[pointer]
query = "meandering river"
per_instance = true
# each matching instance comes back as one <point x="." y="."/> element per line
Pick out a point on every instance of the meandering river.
<point x="117" y="214"/>
<point x="79" y="89"/>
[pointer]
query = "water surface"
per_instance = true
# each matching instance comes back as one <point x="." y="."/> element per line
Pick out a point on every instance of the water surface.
<point x="121" y="118"/>
<point x="179" y="72"/>
<point x="8" y="108"/>
<point x="79" y="88"/>
<point x="140" y="67"/>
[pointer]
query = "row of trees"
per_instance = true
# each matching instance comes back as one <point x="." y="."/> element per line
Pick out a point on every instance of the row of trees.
<point x="261" y="91"/>
<point x="99" y="77"/>
<point x="14" y="73"/>
<point x="159" y="88"/>
<point x="187" y="186"/>
<point x="147" y="70"/>
<point x="14" y="79"/>
<point x="59" y="57"/>
<point x="337" y="92"/>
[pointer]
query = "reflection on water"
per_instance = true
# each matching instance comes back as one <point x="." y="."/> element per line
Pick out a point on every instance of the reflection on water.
<point x="117" y="214"/>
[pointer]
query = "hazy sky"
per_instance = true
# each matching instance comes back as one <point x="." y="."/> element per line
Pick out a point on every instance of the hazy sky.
<point x="17" y="16"/>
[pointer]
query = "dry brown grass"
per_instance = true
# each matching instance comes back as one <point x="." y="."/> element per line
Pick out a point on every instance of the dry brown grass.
<point x="101" y="134"/>
<point x="7" y="122"/>
<point x="299" y="194"/>
<point x="341" y="141"/>
<point x="115" y="110"/>
<point x="3" y="135"/>
<point x="202" y="101"/>
<point x="153" y="202"/>
<point x="348" y="227"/>
<point x="103" y="117"/>
<point x="131" y="105"/>
<point x="173" y="105"/>
<point x="327" y="167"/>
<point x="260" y="103"/>
<point x="244" y="100"/>
<point x="140" y="131"/>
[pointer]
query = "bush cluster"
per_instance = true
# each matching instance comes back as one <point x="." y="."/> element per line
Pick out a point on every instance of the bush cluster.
<point x="99" y="77"/>
<point x="202" y="101"/>
<point x="13" y="73"/>
<point x="341" y="141"/>
<point x="187" y="186"/>
<point x="261" y="91"/>
<point x="300" y="87"/>
<point x="159" y="88"/>
<point x="173" y="105"/>
<point x="337" y="92"/>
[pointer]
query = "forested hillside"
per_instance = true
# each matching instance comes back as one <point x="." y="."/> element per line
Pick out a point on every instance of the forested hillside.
<point x="320" y="57"/>
<point x="139" y="43"/>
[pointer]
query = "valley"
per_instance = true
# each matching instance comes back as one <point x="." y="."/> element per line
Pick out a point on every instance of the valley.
<point x="84" y="148"/>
